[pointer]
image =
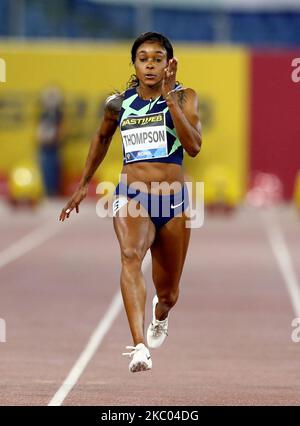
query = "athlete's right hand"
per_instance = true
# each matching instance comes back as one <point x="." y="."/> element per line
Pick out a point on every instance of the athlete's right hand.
<point x="74" y="202"/>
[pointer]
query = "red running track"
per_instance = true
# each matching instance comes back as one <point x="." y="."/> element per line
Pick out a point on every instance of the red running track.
<point x="229" y="339"/>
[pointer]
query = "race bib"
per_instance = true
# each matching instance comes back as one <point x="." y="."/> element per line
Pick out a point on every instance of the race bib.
<point x="144" y="137"/>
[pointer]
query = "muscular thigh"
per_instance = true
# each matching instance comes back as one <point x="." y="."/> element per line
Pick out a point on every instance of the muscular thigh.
<point x="169" y="251"/>
<point x="135" y="234"/>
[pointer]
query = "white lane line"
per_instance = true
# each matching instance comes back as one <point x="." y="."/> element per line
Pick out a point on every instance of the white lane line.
<point x="282" y="255"/>
<point x="27" y="243"/>
<point x="93" y="344"/>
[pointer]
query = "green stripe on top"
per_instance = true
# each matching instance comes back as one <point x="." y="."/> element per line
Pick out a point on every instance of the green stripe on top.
<point x="176" y="143"/>
<point x="175" y="146"/>
<point x="128" y="110"/>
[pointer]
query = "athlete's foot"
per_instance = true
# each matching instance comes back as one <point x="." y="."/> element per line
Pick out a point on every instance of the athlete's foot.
<point x="141" y="358"/>
<point x="157" y="330"/>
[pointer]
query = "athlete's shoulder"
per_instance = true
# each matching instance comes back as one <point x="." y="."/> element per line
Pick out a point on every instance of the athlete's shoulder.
<point x="113" y="103"/>
<point x="186" y="95"/>
<point x="186" y="91"/>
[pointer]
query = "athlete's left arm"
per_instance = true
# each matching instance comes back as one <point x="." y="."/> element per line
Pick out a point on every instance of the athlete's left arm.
<point x="183" y="106"/>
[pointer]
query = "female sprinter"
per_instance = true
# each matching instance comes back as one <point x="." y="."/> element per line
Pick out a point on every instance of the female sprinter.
<point x="158" y="120"/>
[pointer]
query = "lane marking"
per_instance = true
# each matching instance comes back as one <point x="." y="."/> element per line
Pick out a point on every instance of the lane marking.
<point x="27" y="243"/>
<point x="284" y="260"/>
<point x="93" y="344"/>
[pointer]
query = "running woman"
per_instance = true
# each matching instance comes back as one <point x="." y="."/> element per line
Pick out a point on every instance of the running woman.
<point x="158" y="120"/>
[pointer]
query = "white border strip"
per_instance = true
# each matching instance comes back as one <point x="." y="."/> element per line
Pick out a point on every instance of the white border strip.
<point x="282" y="255"/>
<point x="92" y="346"/>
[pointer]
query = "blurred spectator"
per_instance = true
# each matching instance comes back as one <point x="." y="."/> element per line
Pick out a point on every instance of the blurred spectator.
<point x="49" y="135"/>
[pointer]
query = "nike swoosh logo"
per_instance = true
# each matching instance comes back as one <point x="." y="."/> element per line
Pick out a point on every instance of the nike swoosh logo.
<point x="148" y="357"/>
<point x="177" y="205"/>
<point x="160" y="102"/>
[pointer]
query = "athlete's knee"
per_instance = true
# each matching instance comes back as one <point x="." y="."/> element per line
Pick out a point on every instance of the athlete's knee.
<point x="169" y="299"/>
<point x="132" y="256"/>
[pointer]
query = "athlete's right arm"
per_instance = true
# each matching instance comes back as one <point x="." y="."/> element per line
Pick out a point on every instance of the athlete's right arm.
<point x="97" y="151"/>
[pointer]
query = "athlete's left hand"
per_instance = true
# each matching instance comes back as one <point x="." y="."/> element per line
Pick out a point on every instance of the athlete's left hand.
<point x="169" y="79"/>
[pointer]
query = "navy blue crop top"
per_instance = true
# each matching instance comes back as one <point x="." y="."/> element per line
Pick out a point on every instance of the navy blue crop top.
<point x="147" y="129"/>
